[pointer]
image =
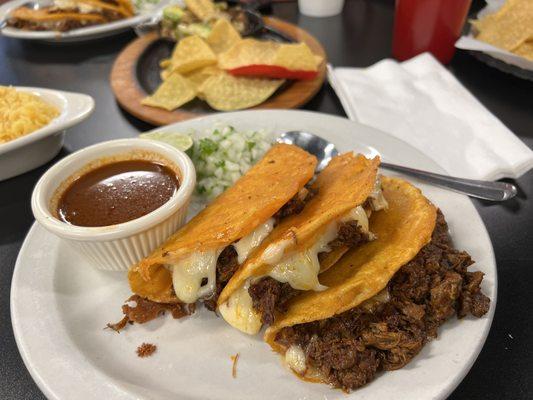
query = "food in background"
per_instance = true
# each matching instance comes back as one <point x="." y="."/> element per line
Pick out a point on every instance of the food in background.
<point x="199" y="17"/>
<point x="66" y="15"/>
<point x="510" y="28"/>
<point x="225" y="92"/>
<point x="251" y="57"/>
<point x="227" y="72"/>
<point x="22" y="113"/>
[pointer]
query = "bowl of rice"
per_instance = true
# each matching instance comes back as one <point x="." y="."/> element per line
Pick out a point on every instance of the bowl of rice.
<point x="33" y="123"/>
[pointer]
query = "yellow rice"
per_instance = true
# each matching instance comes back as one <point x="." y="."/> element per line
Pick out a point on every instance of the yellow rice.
<point x="22" y="113"/>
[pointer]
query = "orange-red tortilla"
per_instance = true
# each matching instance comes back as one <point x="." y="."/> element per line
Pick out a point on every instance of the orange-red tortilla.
<point x="254" y="198"/>
<point x="343" y="185"/>
<point x="402" y="230"/>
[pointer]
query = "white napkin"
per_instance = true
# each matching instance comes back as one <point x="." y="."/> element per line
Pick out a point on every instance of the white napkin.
<point x="423" y="104"/>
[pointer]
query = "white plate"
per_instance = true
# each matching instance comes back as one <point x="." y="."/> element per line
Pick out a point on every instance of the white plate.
<point x="34" y="149"/>
<point x="59" y="306"/>
<point x="75" y="35"/>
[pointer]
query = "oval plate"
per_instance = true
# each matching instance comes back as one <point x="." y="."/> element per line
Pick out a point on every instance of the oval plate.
<point x="59" y="306"/>
<point x="135" y="75"/>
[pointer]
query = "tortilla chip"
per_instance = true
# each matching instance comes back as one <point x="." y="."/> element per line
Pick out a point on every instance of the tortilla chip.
<point x="247" y="52"/>
<point x="525" y="50"/>
<point x="225" y="92"/>
<point x="192" y="53"/>
<point x="509" y="27"/>
<point x="254" y="198"/>
<point x="402" y="230"/>
<point x="297" y="56"/>
<point x="199" y="76"/>
<point x="172" y="93"/>
<point x="204" y="10"/>
<point x="223" y="36"/>
<point x="165" y="63"/>
<point x="345" y="183"/>
<point x="165" y="73"/>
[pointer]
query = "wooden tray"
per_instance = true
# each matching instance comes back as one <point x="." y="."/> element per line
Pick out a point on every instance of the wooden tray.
<point x="135" y="74"/>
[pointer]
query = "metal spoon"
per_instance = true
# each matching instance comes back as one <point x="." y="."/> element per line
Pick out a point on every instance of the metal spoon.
<point x="324" y="151"/>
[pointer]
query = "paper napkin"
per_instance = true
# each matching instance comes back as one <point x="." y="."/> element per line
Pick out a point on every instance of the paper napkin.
<point x="421" y="103"/>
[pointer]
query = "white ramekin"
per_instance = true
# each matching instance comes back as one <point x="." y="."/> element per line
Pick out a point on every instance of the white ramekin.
<point x="116" y="247"/>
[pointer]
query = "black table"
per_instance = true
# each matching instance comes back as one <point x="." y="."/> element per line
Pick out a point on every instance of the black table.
<point x="360" y="37"/>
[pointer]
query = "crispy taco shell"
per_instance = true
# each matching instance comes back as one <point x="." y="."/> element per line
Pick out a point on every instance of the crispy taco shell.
<point x="344" y="184"/>
<point x="42" y="15"/>
<point x="254" y="198"/>
<point x="402" y="230"/>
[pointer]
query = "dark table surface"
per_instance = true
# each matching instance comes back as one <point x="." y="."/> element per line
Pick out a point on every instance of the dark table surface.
<point x="359" y="37"/>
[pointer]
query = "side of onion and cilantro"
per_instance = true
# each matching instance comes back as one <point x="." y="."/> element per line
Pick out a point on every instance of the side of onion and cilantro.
<point x="220" y="157"/>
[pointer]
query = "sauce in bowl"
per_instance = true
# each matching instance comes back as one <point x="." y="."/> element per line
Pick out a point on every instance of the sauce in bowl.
<point x="117" y="192"/>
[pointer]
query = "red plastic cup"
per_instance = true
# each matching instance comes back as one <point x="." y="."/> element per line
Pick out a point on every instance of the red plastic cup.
<point x="428" y="25"/>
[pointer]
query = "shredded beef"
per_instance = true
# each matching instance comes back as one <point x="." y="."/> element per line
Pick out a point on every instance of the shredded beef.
<point x="268" y="295"/>
<point x="349" y="234"/>
<point x="349" y="349"/>
<point x="146" y="310"/>
<point x="296" y="204"/>
<point x="227" y="264"/>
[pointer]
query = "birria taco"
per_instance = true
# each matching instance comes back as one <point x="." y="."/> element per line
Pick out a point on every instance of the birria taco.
<point x="65" y="15"/>
<point x="384" y="300"/>
<point x="198" y="260"/>
<point x="303" y="245"/>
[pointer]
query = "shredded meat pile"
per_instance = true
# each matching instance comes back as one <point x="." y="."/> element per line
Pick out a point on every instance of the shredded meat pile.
<point x="349" y="349"/>
<point x="268" y="295"/>
<point x="146" y="310"/>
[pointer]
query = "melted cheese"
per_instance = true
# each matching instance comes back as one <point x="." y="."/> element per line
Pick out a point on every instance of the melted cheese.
<point x="83" y="8"/>
<point x="295" y="359"/>
<point x="248" y="243"/>
<point x="238" y="311"/>
<point x="301" y="269"/>
<point x="377" y="200"/>
<point x="187" y="275"/>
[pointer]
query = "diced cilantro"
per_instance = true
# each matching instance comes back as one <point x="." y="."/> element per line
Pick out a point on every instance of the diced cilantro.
<point x="208" y="146"/>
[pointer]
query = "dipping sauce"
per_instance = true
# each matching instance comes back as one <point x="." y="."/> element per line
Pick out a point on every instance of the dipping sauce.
<point x="117" y="193"/>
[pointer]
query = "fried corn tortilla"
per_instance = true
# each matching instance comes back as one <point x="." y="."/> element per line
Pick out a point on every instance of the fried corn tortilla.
<point x="401" y="230"/>
<point x="289" y="253"/>
<point x="254" y="198"/>
<point x="172" y="93"/>
<point x="225" y="92"/>
<point x="192" y="53"/>
<point x="223" y="36"/>
<point x="509" y="28"/>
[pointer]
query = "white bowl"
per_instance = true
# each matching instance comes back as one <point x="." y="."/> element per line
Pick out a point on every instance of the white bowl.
<point x="116" y="247"/>
<point x="37" y="148"/>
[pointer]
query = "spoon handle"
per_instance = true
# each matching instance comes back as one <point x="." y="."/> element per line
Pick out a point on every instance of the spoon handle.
<point x="488" y="190"/>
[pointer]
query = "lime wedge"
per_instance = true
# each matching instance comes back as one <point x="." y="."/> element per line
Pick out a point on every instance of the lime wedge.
<point x="178" y="140"/>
